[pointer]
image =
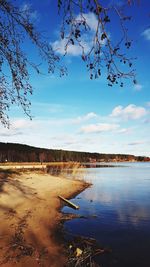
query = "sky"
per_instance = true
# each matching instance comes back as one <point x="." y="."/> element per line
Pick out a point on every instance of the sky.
<point x="76" y="113"/>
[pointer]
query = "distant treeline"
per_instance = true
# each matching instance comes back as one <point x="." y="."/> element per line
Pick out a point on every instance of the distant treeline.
<point x="10" y="152"/>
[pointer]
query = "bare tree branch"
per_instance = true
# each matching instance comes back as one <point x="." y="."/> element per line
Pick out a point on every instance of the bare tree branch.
<point x="16" y="27"/>
<point x="103" y="52"/>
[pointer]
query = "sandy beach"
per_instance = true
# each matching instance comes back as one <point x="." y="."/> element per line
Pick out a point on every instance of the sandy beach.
<point x="30" y="217"/>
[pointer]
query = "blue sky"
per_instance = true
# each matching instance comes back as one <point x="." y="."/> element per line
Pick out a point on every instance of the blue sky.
<point x="75" y="113"/>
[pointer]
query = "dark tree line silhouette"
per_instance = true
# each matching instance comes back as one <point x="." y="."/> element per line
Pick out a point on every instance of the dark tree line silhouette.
<point x="10" y="152"/>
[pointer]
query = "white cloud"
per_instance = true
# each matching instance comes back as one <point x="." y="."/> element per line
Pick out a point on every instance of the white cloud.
<point x="138" y="87"/>
<point x="99" y="128"/>
<point x="22" y="124"/>
<point x="86" y="40"/>
<point x="14" y="131"/>
<point x="65" y="134"/>
<point x="27" y="124"/>
<point x="146" y="34"/>
<point x="136" y="143"/>
<point x="10" y="133"/>
<point x="88" y="116"/>
<point x="129" y="112"/>
<point x="73" y="50"/>
<point x="71" y="121"/>
<point x="27" y="8"/>
<point x="125" y="131"/>
<point x="148" y="103"/>
<point x="90" y="19"/>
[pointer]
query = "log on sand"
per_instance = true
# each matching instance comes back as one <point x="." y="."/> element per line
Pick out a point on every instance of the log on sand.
<point x="72" y="205"/>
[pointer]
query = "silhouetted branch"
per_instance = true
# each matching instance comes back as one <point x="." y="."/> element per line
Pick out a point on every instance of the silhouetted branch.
<point x="16" y="27"/>
<point x="102" y="51"/>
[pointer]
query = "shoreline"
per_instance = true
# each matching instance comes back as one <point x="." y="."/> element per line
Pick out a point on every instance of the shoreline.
<point x="32" y="219"/>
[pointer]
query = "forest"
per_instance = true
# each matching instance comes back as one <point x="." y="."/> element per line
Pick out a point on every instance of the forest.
<point x="11" y="152"/>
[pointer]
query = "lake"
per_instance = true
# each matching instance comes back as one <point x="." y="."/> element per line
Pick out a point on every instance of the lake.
<point x="117" y="207"/>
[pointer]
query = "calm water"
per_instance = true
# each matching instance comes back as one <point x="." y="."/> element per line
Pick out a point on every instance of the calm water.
<point x="120" y="197"/>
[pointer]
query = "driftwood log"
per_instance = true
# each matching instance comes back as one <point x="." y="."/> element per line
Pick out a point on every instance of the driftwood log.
<point x="69" y="203"/>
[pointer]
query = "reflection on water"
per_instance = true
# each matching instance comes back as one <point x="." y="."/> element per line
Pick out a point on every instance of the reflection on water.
<point x="120" y="199"/>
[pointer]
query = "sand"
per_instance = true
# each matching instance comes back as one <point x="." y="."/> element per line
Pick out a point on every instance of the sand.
<point x="30" y="217"/>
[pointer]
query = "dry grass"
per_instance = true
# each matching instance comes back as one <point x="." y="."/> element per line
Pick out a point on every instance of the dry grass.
<point x="71" y="170"/>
